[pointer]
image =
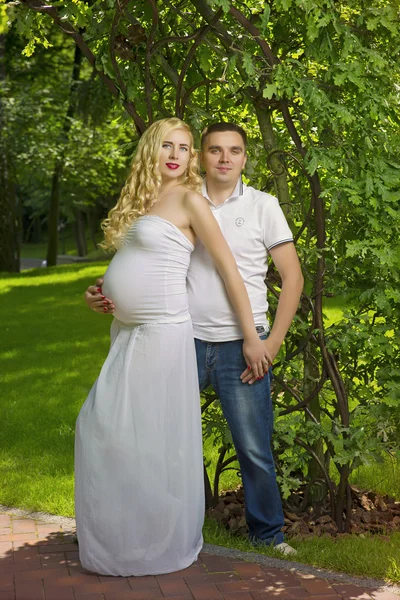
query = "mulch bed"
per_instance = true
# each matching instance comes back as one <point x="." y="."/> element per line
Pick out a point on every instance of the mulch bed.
<point x="371" y="512"/>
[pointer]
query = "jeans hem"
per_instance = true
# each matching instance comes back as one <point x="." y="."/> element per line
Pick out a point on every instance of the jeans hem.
<point x="274" y="541"/>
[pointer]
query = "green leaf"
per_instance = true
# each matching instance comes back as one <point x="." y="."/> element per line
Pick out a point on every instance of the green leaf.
<point x="4" y="18"/>
<point x="30" y="47"/>
<point x="248" y="64"/>
<point x="269" y="91"/>
<point x="224" y="4"/>
<point x="369" y="185"/>
<point x="205" y="57"/>
<point x="265" y="19"/>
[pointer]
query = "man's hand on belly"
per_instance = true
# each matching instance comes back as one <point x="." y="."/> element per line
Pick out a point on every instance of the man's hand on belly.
<point x="96" y="301"/>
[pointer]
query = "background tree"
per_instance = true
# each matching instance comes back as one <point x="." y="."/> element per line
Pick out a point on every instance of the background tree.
<point x="9" y="208"/>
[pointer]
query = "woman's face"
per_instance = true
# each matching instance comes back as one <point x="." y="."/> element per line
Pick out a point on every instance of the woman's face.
<point x="174" y="155"/>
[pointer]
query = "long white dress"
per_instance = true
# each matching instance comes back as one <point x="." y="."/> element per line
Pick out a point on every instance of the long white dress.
<point x="138" y="453"/>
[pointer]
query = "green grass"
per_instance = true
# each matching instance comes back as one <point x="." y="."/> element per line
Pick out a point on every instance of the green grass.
<point x="383" y="478"/>
<point x="39" y="250"/>
<point x="34" y="250"/>
<point x="367" y="556"/>
<point x="51" y="350"/>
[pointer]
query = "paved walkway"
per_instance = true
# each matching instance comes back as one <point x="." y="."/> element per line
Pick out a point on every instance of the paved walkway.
<point x="39" y="560"/>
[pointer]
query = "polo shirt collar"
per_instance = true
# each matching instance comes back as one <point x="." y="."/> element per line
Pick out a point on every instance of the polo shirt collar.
<point x="237" y="192"/>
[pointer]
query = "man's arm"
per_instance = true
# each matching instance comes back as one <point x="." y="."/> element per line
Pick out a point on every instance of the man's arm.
<point x="96" y="301"/>
<point x="287" y="263"/>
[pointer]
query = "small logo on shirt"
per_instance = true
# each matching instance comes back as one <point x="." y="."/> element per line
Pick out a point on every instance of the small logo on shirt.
<point x="239" y="221"/>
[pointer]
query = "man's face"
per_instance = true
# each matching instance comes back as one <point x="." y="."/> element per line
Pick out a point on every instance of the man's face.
<point x="223" y="157"/>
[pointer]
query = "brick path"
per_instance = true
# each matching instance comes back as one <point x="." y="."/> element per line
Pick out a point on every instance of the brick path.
<point x="40" y="561"/>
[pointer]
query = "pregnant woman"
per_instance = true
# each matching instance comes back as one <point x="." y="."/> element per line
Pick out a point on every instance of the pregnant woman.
<point x="138" y="454"/>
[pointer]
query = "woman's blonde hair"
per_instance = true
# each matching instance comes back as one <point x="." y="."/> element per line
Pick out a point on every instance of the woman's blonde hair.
<point x="141" y="189"/>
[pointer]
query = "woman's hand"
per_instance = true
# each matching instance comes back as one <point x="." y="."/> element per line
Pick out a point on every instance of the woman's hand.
<point x="96" y="301"/>
<point x="257" y="357"/>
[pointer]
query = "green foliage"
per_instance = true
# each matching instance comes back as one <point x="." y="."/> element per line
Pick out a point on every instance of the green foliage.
<point x="100" y="140"/>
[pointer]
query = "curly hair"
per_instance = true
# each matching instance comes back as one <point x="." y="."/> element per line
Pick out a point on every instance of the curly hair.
<point x="141" y="189"/>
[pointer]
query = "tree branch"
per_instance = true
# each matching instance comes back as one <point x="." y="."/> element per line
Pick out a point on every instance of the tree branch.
<point x="174" y="38"/>
<point x="194" y="87"/>
<point x="147" y="73"/>
<point x="256" y="35"/>
<point x="111" y="45"/>
<point x="300" y="442"/>
<point x="199" y="38"/>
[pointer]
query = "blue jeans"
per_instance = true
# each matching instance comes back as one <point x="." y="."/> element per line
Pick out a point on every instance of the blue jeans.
<point x="248" y="411"/>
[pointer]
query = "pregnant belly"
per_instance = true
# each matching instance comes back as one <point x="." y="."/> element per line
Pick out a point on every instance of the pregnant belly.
<point x="132" y="289"/>
<point x="141" y="290"/>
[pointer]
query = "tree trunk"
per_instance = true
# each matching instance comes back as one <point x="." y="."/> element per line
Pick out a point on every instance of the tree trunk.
<point x="209" y="498"/>
<point x="9" y="218"/>
<point x="311" y="361"/>
<point x="52" y="247"/>
<point x="79" y="232"/>
<point x="274" y="158"/>
<point x="92" y="227"/>
<point x="311" y="376"/>
<point x="9" y="213"/>
<point x="52" y="244"/>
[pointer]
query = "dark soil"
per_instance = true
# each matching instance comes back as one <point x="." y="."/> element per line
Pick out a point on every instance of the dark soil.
<point x="371" y="512"/>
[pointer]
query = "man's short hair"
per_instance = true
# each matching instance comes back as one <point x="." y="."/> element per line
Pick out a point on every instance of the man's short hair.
<point x="222" y="127"/>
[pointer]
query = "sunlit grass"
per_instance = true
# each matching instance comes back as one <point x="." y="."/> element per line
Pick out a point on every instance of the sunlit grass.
<point x="383" y="478"/>
<point x="367" y="556"/>
<point x="51" y="352"/>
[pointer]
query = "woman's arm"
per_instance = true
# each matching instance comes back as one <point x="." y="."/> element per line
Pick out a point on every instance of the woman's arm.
<point x="207" y="229"/>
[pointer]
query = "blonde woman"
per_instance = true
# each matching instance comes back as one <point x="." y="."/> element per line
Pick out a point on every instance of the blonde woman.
<point x="138" y="457"/>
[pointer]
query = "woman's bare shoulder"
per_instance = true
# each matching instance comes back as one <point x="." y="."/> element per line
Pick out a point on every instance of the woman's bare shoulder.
<point x="192" y="198"/>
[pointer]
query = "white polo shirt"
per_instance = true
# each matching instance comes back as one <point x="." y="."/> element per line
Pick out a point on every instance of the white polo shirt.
<point x="252" y="223"/>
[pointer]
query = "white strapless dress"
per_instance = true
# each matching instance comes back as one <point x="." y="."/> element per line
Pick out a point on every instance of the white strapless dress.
<point x="138" y="453"/>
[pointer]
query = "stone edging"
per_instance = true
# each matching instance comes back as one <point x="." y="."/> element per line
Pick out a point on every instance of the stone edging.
<point x="67" y="523"/>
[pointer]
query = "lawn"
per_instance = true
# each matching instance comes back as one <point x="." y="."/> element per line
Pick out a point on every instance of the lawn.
<point x="50" y="356"/>
<point x="51" y="352"/>
<point x="68" y="248"/>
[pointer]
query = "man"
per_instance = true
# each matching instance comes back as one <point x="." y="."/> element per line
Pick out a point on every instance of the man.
<point x="255" y="227"/>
